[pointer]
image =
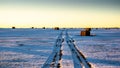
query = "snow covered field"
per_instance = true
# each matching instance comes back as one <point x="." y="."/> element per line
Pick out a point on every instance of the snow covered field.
<point x="30" y="48"/>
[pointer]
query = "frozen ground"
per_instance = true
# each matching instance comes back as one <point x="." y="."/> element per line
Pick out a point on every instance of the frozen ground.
<point x="30" y="48"/>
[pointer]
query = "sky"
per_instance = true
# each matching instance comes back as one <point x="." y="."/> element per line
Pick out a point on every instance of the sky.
<point x="59" y="13"/>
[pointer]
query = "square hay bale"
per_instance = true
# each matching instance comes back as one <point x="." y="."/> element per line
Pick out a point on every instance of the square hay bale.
<point x="85" y="33"/>
<point x="13" y="27"/>
<point x="56" y="28"/>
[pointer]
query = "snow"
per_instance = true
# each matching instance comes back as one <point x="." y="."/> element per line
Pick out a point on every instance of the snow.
<point x="54" y="59"/>
<point x="30" y="48"/>
<point x="67" y="61"/>
<point x="102" y="50"/>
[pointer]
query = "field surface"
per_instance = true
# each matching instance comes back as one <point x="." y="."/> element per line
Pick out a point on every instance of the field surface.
<point x="64" y="48"/>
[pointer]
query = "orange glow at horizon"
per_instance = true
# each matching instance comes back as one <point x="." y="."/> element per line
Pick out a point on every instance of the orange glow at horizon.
<point x="46" y="17"/>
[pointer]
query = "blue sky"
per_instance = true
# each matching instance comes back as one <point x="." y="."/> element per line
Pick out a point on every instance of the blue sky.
<point x="87" y="13"/>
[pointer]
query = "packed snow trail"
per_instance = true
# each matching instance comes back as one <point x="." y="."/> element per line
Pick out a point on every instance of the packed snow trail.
<point x="78" y="58"/>
<point x="53" y="60"/>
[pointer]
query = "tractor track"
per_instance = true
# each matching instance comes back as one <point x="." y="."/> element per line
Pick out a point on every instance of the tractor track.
<point x="79" y="59"/>
<point x="54" y="59"/>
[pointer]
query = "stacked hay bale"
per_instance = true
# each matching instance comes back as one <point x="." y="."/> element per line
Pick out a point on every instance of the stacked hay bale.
<point x="56" y="28"/>
<point x="85" y="32"/>
<point x="13" y="27"/>
<point x="43" y="28"/>
<point x="32" y="27"/>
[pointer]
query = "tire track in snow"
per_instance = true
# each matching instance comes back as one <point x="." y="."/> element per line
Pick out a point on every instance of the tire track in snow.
<point x="78" y="58"/>
<point x="54" y="60"/>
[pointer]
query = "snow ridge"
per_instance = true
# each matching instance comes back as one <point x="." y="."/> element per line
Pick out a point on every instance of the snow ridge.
<point x="78" y="58"/>
<point x="53" y="60"/>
